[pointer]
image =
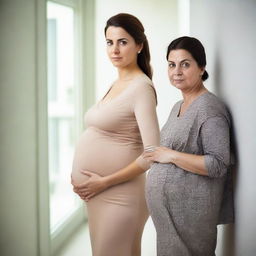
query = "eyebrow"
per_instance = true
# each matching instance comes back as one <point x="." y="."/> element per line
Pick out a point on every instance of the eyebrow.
<point x="181" y="60"/>
<point x="120" y="39"/>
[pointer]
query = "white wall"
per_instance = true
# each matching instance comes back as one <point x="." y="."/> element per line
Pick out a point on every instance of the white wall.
<point x="159" y="19"/>
<point x="227" y="29"/>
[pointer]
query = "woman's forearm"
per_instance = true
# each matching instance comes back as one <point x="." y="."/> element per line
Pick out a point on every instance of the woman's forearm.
<point x="189" y="162"/>
<point x="123" y="175"/>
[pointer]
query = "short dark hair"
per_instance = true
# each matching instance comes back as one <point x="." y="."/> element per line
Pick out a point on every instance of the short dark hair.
<point x="194" y="47"/>
<point x="134" y="27"/>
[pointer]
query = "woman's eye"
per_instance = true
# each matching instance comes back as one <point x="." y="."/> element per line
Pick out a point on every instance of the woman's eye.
<point x="123" y="42"/>
<point x="171" y="65"/>
<point x="185" y="65"/>
<point x="109" y="43"/>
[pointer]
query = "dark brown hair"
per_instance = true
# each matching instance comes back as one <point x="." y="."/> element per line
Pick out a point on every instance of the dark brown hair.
<point x="194" y="47"/>
<point x="134" y="27"/>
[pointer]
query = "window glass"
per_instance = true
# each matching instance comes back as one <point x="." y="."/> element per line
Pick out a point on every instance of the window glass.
<point x="62" y="111"/>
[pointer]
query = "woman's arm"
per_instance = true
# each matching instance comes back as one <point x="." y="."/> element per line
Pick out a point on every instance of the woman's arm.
<point x="188" y="162"/>
<point x="215" y="139"/>
<point x="96" y="183"/>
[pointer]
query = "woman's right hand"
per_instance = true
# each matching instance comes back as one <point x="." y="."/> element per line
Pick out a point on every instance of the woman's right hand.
<point x="93" y="186"/>
<point x="160" y="154"/>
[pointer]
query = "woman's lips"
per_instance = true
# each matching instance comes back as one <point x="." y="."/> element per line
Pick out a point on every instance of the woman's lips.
<point x="116" y="58"/>
<point x="178" y="80"/>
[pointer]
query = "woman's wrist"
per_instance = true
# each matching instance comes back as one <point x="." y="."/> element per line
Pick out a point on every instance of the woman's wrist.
<point x="107" y="181"/>
<point x="173" y="156"/>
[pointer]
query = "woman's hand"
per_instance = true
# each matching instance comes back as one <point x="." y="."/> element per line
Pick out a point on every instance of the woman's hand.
<point x="93" y="186"/>
<point x="188" y="162"/>
<point x="160" y="154"/>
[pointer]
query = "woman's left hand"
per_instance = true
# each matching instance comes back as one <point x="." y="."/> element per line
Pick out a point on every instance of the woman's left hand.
<point x="160" y="154"/>
<point x="93" y="186"/>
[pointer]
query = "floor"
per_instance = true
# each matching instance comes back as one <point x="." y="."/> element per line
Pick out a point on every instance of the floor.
<point x="79" y="245"/>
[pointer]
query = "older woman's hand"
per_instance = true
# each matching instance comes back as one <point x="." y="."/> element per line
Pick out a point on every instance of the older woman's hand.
<point x="93" y="186"/>
<point x="160" y="154"/>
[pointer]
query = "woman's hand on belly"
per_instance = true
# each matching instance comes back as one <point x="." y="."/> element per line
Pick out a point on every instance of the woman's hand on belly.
<point x="93" y="186"/>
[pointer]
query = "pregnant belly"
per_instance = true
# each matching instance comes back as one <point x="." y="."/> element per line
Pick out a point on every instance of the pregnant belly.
<point x="101" y="154"/>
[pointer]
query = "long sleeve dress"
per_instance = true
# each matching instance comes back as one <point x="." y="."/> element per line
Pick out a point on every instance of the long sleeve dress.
<point x="186" y="207"/>
<point x="117" y="131"/>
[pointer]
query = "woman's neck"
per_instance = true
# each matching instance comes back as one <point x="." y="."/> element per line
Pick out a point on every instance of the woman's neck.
<point x="190" y="96"/>
<point x="128" y="74"/>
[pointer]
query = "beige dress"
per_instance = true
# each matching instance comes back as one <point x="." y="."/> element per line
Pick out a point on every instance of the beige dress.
<point x="117" y="130"/>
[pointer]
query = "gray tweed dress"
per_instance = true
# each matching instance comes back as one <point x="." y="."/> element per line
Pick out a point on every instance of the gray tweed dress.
<point x="185" y="207"/>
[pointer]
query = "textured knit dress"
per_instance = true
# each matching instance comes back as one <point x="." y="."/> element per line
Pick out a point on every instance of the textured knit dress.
<point x="187" y="207"/>
<point x="117" y="131"/>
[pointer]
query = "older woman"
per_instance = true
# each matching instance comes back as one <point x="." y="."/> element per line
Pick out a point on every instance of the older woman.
<point x="185" y="186"/>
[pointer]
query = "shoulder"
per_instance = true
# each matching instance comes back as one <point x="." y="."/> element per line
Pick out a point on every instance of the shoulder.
<point x="176" y="107"/>
<point x="210" y="106"/>
<point x="177" y="104"/>
<point x="143" y="83"/>
<point x="143" y="89"/>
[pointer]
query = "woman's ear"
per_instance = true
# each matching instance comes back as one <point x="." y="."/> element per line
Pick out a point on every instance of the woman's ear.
<point x="140" y="48"/>
<point x="202" y="71"/>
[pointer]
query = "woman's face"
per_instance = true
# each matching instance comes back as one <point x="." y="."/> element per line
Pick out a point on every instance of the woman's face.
<point x="121" y="47"/>
<point x="183" y="71"/>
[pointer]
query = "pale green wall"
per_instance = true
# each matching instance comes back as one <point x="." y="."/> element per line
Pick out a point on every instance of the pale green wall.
<point x="18" y="178"/>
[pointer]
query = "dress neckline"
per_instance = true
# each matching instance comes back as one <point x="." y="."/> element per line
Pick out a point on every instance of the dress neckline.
<point x="178" y="116"/>
<point x="102" y="101"/>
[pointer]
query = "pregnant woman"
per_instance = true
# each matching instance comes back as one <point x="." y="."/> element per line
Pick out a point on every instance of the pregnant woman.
<point x="119" y="127"/>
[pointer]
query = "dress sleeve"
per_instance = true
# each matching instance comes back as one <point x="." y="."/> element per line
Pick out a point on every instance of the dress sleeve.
<point x="145" y="113"/>
<point x="215" y="135"/>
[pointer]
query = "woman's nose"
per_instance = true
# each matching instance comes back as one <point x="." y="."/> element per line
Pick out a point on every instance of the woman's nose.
<point x="177" y="70"/>
<point x="115" y="49"/>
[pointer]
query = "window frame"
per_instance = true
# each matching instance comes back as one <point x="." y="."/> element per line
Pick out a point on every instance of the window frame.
<point x="50" y="244"/>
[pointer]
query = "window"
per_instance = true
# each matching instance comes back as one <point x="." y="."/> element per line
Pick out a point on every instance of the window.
<point x="63" y="114"/>
<point x="64" y="93"/>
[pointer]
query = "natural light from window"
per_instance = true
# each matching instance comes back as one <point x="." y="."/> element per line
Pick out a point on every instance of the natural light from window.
<point x="62" y="114"/>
